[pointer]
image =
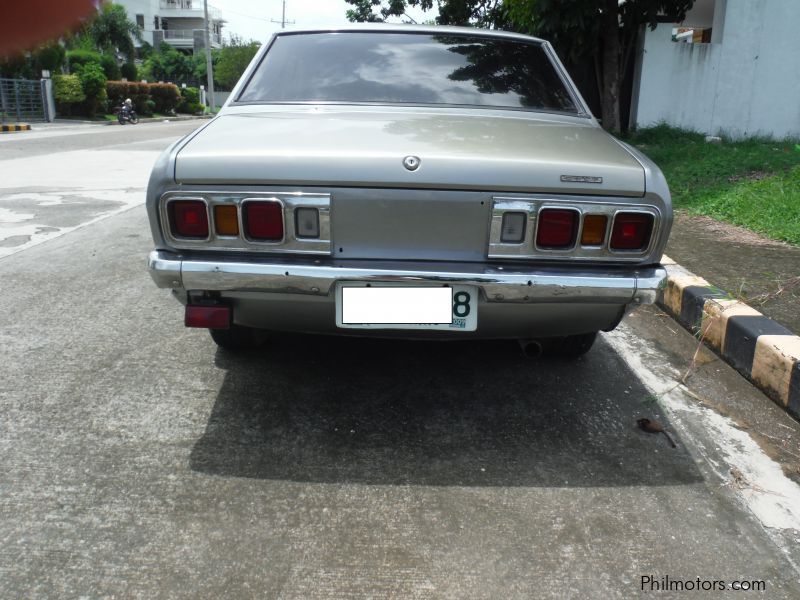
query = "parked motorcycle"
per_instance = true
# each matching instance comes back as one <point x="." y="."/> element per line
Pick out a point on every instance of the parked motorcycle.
<point x="126" y="114"/>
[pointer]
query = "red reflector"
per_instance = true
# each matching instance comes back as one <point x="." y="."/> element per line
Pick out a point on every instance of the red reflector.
<point x="188" y="218"/>
<point x="631" y="231"/>
<point x="209" y="317"/>
<point x="557" y="228"/>
<point x="263" y="220"/>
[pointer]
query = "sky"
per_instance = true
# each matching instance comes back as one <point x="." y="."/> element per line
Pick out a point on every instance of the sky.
<point x="251" y="19"/>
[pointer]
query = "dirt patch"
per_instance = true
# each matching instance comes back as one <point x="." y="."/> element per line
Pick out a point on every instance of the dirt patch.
<point x="751" y="176"/>
<point x="725" y="232"/>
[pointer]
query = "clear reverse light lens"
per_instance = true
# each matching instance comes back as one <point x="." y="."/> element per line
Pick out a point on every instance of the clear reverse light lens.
<point x="513" y="230"/>
<point x="307" y="222"/>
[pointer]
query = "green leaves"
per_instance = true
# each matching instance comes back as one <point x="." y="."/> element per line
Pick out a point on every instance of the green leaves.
<point x="233" y="60"/>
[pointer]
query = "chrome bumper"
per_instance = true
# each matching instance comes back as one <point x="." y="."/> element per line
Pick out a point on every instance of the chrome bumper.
<point x="316" y="277"/>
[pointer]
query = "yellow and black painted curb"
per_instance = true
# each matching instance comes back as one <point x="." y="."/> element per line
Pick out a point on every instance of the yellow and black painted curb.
<point x="12" y="127"/>
<point x="762" y="350"/>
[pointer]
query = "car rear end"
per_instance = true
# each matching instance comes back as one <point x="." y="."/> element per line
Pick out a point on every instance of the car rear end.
<point x="357" y="207"/>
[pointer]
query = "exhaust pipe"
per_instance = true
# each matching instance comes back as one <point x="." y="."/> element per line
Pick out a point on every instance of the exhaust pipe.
<point x="530" y="348"/>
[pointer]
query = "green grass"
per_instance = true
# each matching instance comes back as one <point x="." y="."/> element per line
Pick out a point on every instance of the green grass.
<point x="754" y="183"/>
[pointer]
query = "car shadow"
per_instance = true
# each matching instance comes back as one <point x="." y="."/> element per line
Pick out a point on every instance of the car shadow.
<point x="383" y="412"/>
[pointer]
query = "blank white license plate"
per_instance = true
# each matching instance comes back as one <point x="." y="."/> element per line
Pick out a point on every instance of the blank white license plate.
<point x="400" y="306"/>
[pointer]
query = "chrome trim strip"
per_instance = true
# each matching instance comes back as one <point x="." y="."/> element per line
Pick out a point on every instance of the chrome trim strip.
<point x="498" y="284"/>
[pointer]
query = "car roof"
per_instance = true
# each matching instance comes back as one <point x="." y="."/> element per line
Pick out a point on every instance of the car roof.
<point x="411" y="28"/>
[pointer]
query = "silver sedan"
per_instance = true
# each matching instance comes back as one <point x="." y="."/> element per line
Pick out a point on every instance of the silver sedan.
<point x="407" y="181"/>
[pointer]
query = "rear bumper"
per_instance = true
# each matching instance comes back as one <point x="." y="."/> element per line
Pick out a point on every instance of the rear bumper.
<point x="498" y="284"/>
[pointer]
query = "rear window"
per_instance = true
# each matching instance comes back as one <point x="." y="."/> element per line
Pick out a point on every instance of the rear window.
<point x="408" y="68"/>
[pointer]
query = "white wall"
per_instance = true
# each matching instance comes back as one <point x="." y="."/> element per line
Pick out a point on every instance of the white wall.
<point x="148" y="8"/>
<point x="746" y="84"/>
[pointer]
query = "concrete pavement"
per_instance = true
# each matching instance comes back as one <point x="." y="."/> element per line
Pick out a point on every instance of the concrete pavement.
<point x="54" y="181"/>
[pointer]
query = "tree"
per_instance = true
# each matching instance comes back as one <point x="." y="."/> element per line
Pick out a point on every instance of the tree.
<point x="601" y="31"/>
<point x="477" y="13"/>
<point x="605" y="30"/>
<point x="168" y="65"/>
<point x="112" y="31"/>
<point x="233" y="60"/>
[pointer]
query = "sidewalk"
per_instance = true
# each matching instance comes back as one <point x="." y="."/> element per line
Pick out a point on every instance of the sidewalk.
<point x="763" y="273"/>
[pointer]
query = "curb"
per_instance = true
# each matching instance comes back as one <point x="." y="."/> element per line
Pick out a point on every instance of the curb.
<point x="761" y="349"/>
<point x="11" y="128"/>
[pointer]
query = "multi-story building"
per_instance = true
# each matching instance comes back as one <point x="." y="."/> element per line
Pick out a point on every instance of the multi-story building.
<point x="177" y="22"/>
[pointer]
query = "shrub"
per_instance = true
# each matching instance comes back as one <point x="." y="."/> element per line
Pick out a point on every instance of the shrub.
<point x="68" y="92"/>
<point x="77" y="59"/>
<point x="50" y="57"/>
<point x="190" y="101"/>
<point x="165" y="96"/>
<point x="110" y="67"/>
<point x="128" y="71"/>
<point x="93" y="82"/>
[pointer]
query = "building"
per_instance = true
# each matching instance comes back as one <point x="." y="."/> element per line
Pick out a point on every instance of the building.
<point x="732" y="67"/>
<point x="177" y="22"/>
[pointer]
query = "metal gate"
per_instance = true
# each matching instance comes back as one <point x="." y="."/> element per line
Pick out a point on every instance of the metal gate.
<point x="22" y="100"/>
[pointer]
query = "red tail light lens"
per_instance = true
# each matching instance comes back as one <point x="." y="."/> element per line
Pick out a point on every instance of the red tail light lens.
<point x="631" y="231"/>
<point x="208" y="317"/>
<point x="263" y="221"/>
<point x="188" y="219"/>
<point x="557" y="228"/>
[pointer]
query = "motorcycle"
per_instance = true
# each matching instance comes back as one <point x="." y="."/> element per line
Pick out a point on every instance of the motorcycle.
<point x="127" y="115"/>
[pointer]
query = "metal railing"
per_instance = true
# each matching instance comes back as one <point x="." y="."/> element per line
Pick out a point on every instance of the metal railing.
<point x="194" y="5"/>
<point x="181" y="4"/>
<point x="22" y="100"/>
<point x="187" y="34"/>
<point x="178" y="34"/>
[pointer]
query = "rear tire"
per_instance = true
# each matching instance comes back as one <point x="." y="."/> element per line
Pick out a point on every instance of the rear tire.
<point x="134" y="119"/>
<point x="121" y="119"/>
<point x="238" y="338"/>
<point x="571" y="346"/>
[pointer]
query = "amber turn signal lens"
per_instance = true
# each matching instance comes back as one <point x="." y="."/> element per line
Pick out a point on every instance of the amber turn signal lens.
<point x="594" y="230"/>
<point x="226" y="220"/>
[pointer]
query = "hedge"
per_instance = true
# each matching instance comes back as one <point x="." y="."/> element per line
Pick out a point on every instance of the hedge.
<point x="146" y="97"/>
<point x="166" y="96"/>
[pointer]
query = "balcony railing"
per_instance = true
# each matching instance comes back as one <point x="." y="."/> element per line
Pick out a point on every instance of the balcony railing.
<point x="181" y="4"/>
<point x="188" y="34"/>
<point x="193" y="5"/>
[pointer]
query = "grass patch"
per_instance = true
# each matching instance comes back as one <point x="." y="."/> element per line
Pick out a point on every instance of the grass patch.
<point x="754" y="183"/>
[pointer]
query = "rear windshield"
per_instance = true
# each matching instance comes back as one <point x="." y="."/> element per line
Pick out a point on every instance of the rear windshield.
<point x="406" y="68"/>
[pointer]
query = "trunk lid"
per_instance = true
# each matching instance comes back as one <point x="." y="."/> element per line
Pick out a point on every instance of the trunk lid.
<point x="467" y="150"/>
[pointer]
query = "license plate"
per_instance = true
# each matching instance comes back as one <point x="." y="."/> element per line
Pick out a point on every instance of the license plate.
<point x="400" y="306"/>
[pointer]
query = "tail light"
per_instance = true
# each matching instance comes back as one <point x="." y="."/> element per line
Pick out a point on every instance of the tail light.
<point x="208" y="317"/>
<point x="263" y="221"/>
<point x="557" y="228"/>
<point x="594" y="230"/>
<point x="631" y="231"/>
<point x="226" y="219"/>
<point x="188" y="219"/>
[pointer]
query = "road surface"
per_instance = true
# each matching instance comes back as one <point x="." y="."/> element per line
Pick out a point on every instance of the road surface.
<point x="138" y="461"/>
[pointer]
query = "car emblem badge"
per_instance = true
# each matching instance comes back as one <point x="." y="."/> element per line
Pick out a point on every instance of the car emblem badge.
<point x="581" y="179"/>
<point x="411" y="163"/>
